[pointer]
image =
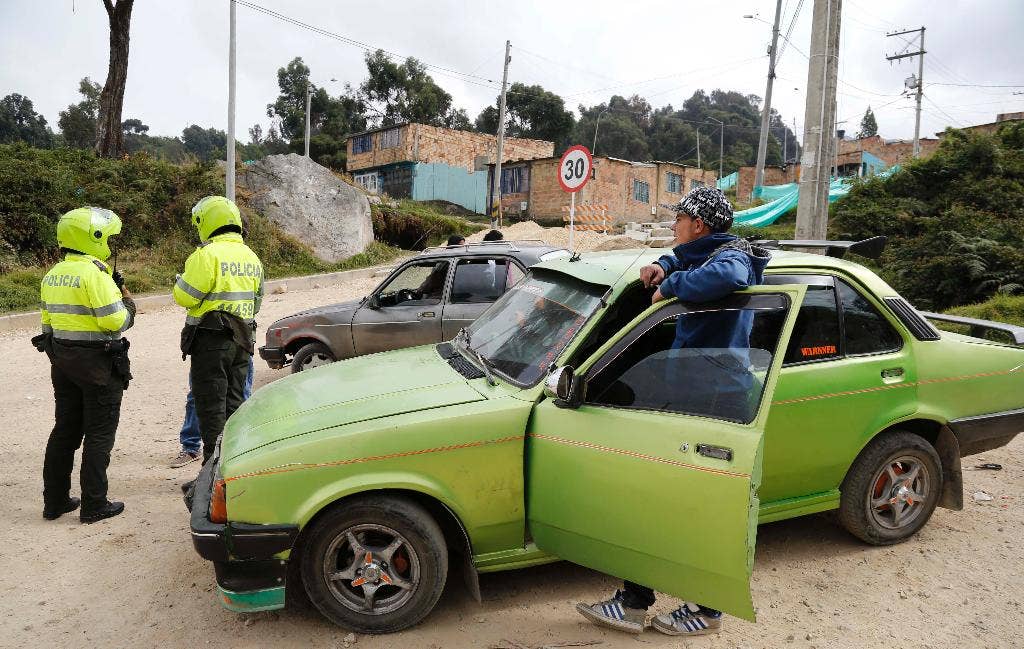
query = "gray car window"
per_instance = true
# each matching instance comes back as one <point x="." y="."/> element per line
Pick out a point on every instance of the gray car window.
<point x="417" y="284"/>
<point x="479" y="281"/>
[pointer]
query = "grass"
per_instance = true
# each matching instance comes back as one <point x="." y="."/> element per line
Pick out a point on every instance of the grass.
<point x="414" y="226"/>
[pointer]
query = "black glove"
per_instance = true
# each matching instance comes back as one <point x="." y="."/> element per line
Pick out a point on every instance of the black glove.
<point x="118" y="279"/>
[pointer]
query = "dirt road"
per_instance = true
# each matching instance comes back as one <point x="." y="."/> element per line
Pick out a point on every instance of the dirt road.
<point x="135" y="580"/>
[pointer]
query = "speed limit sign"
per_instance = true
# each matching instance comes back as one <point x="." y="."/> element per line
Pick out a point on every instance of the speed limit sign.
<point x="574" y="168"/>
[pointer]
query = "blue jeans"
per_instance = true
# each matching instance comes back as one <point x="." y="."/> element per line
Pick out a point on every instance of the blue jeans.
<point x="191" y="441"/>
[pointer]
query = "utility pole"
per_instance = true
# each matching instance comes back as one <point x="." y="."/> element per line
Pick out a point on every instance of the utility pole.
<point x="762" y="145"/>
<point x="919" y="82"/>
<point x="229" y="172"/>
<point x="721" y="143"/>
<point x="698" y="149"/>
<point x="496" y="206"/>
<point x="819" y="121"/>
<point x="308" y="103"/>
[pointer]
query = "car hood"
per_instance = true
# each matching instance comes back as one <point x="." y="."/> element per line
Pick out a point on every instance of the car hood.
<point x="358" y="389"/>
<point x="330" y="308"/>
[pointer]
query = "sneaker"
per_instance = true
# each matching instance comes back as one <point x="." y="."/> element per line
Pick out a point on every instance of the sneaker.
<point x="53" y="513"/>
<point x="183" y="458"/>
<point x="614" y="614"/>
<point x="109" y="510"/>
<point x="689" y="619"/>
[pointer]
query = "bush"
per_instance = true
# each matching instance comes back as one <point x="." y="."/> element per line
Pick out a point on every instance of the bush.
<point x="154" y="200"/>
<point x="414" y="226"/>
<point x="955" y="220"/>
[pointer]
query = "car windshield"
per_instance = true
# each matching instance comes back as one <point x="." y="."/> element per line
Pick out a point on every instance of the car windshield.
<point x="523" y="332"/>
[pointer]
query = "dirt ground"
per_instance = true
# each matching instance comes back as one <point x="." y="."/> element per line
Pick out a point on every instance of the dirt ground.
<point x="135" y="580"/>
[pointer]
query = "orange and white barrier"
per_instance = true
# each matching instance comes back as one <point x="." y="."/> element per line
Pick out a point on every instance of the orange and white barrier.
<point x="589" y="216"/>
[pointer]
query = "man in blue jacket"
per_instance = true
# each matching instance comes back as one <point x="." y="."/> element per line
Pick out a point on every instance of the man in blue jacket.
<point x="706" y="264"/>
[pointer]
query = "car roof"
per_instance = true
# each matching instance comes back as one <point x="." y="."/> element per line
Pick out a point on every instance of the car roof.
<point x="620" y="267"/>
<point x="529" y="251"/>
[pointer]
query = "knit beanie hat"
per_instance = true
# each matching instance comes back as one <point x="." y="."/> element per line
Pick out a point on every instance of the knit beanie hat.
<point x="708" y="204"/>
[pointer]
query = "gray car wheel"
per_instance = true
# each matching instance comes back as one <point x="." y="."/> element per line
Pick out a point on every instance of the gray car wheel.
<point x="311" y="355"/>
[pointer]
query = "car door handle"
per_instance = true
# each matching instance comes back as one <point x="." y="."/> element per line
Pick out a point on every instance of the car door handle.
<point x="892" y="375"/>
<point x="427" y="314"/>
<point x="717" y="452"/>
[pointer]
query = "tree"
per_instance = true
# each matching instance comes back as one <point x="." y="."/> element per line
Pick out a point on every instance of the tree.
<point x="868" y="125"/>
<point x="533" y="112"/>
<point x="78" y="123"/>
<point x="135" y="135"/>
<point x="19" y="122"/>
<point x="332" y="119"/>
<point x="406" y="93"/>
<point x="109" y="136"/>
<point x="204" y="143"/>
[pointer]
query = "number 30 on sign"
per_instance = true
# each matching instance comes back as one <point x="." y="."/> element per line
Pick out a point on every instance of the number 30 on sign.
<point x="574" y="168"/>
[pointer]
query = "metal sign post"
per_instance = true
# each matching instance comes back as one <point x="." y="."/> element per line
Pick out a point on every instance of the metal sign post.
<point x="572" y="217"/>
<point x="573" y="173"/>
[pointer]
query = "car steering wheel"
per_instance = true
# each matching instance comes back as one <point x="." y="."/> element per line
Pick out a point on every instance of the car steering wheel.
<point x="404" y="295"/>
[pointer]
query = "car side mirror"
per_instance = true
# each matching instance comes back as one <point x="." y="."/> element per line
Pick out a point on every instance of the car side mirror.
<point x="563" y="386"/>
<point x="372" y="302"/>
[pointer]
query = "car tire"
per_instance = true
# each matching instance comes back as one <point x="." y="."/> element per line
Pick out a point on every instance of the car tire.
<point x="891" y="489"/>
<point x="414" y="573"/>
<point x="311" y="355"/>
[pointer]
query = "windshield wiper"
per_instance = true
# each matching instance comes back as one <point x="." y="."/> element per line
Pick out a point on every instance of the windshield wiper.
<point x="485" y="364"/>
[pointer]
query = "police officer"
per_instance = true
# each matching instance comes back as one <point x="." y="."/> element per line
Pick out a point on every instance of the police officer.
<point x="85" y="309"/>
<point x="221" y="289"/>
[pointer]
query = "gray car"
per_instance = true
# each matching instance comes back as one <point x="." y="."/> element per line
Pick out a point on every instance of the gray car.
<point x="426" y="299"/>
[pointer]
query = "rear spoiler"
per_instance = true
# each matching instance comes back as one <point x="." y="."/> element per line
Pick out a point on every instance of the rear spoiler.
<point x="979" y="327"/>
<point x="871" y="248"/>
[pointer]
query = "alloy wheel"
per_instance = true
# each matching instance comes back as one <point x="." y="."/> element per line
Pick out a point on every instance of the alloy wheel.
<point x="371" y="569"/>
<point x="899" y="492"/>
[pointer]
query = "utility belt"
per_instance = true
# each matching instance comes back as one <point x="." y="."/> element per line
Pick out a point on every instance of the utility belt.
<point x="91" y="361"/>
<point x="219" y="323"/>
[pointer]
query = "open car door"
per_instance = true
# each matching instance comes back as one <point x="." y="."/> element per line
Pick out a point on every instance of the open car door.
<point x="648" y="470"/>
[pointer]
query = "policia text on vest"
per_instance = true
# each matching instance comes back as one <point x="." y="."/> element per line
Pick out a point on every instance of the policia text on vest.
<point x="221" y="290"/>
<point x="83" y="314"/>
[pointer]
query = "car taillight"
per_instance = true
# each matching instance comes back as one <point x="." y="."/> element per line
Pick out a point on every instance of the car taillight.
<point x="219" y="503"/>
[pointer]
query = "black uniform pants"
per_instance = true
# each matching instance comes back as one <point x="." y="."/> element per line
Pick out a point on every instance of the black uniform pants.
<point x="86" y="415"/>
<point x="219" y="368"/>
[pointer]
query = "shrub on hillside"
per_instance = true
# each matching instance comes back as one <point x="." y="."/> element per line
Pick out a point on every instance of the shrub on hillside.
<point x="955" y="220"/>
<point x="414" y="226"/>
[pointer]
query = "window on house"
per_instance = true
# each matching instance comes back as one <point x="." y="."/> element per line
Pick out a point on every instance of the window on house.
<point x="694" y="184"/>
<point x="362" y="143"/>
<point x="641" y="191"/>
<point x="515" y="180"/>
<point x="673" y="183"/>
<point x="390" y="138"/>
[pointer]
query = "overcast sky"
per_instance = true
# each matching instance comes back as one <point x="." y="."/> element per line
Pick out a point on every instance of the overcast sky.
<point x="585" y="52"/>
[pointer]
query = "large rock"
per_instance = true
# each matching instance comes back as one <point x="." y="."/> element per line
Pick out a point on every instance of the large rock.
<point x="310" y="203"/>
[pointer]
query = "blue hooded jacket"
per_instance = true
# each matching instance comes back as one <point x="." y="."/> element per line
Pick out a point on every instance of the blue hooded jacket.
<point x="694" y="274"/>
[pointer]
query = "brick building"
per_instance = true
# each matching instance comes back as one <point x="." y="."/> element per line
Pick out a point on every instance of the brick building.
<point x="633" y="191"/>
<point x="861" y="157"/>
<point x="1001" y="120"/>
<point x="427" y="162"/>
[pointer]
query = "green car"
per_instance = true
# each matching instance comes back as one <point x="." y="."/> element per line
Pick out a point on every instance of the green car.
<point x="563" y="425"/>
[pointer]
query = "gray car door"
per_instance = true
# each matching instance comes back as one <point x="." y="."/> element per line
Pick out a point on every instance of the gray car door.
<point x="476" y="284"/>
<point x="403" y="312"/>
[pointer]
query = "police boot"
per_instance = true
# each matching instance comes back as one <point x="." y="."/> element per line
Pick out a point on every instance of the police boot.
<point x="109" y="510"/>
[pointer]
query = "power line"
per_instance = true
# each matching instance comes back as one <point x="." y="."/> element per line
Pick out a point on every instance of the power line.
<point x="980" y="85"/>
<point x="938" y="108"/>
<point x="789" y="30"/>
<point x="464" y="76"/>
